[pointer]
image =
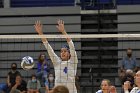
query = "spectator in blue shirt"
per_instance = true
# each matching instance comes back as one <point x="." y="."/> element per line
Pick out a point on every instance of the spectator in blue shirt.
<point x="43" y="68"/>
<point x="129" y="62"/>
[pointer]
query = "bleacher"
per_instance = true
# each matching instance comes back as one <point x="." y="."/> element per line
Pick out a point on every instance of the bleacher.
<point x="97" y="4"/>
<point x="41" y="3"/>
<point x="1" y="3"/>
<point x="99" y="56"/>
<point x="13" y="23"/>
<point x="128" y="2"/>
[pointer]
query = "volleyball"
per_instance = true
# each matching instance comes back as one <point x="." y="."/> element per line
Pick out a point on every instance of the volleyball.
<point x="27" y="63"/>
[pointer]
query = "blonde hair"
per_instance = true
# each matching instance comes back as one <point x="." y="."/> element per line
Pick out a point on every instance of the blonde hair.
<point x="108" y="81"/>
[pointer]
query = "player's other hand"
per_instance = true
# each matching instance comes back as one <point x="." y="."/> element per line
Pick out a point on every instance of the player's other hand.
<point x="38" y="27"/>
<point x="60" y="26"/>
<point x="126" y="85"/>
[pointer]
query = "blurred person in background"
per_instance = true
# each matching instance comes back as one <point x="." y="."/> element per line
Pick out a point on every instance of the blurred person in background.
<point x="33" y="85"/>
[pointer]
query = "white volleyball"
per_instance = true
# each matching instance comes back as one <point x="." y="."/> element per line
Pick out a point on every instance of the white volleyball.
<point x="27" y="63"/>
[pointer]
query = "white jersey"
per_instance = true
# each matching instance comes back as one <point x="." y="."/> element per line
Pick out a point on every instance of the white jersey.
<point x="99" y="91"/>
<point x="134" y="90"/>
<point x="65" y="71"/>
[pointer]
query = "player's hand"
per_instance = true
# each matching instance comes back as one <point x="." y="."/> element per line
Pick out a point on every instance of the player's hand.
<point x="38" y="27"/>
<point x="126" y="85"/>
<point x="60" y="26"/>
<point x="112" y="89"/>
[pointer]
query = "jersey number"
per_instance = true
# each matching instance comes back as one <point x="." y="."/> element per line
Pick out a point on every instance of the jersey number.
<point x="65" y="70"/>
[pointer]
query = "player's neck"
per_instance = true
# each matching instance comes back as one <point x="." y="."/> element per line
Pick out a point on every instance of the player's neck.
<point x="65" y="60"/>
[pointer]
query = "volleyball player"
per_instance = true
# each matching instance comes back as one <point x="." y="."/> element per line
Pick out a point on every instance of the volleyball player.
<point x="66" y="65"/>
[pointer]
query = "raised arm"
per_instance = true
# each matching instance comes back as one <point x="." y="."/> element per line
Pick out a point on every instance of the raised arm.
<point x="61" y="29"/>
<point x="38" y="28"/>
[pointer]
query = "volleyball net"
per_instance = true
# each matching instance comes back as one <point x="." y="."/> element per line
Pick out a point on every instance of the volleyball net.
<point x="98" y="54"/>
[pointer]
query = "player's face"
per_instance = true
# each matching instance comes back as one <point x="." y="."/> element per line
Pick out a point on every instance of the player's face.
<point x="137" y="78"/>
<point x="104" y="86"/>
<point x="65" y="55"/>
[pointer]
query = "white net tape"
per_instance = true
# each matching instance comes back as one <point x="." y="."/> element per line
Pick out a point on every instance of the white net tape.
<point x="71" y="36"/>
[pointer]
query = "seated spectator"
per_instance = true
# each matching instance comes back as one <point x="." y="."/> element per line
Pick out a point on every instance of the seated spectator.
<point x="51" y="80"/>
<point x="106" y="87"/>
<point x="60" y="89"/>
<point x="137" y="82"/>
<point x="43" y="68"/>
<point x="129" y="62"/>
<point x="12" y="76"/>
<point x="129" y="78"/>
<point x="33" y="85"/>
<point x="19" y="86"/>
<point x="50" y="83"/>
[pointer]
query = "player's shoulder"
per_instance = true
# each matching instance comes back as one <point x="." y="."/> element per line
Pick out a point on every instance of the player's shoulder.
<point x="99" y="91"/>
<point x="134" y="90"/>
